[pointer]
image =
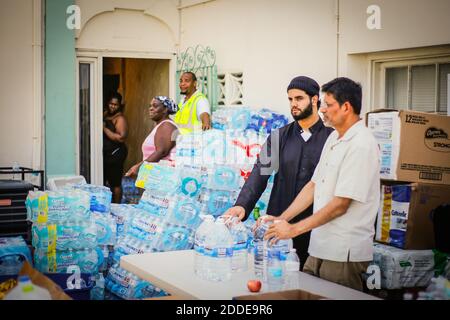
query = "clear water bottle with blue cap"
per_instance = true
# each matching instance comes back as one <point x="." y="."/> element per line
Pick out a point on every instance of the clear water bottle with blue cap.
<point x="240" y="243"/>
<point x="275" y="270"/>
<point x="219" y="252"/>
<point x="200" y="263"/>
<point x="292" y="268"/>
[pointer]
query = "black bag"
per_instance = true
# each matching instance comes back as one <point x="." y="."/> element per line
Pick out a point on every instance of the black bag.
<point x="441" y="224"/>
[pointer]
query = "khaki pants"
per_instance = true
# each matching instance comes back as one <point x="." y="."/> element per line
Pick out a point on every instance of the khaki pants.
<point x="345" y="273"/>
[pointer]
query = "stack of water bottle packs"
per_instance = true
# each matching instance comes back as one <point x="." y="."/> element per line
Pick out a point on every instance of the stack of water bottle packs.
<point x="262" y="121"/>
<point x="71" y="227"/>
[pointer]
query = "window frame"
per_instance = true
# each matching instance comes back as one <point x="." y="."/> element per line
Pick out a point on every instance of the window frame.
<point x="379" y="78"/>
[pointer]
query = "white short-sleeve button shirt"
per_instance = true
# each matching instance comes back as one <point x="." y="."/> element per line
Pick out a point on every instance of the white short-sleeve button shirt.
<point x="348" y="167"/>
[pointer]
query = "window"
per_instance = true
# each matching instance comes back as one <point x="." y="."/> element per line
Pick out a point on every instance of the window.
<point x="420" y="87"/>
<point x="230" y="85"/>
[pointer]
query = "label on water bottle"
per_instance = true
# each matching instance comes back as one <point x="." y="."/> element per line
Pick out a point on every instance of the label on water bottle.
<point x="218" y="252"/>
<point x="122" y="277"/>
<point x="240" y="246"/>
<point x="147" y="224"/>
<point x="199" y="249"/>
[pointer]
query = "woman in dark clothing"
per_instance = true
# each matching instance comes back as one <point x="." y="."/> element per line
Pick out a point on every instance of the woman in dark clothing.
<point x="115" y="130"/>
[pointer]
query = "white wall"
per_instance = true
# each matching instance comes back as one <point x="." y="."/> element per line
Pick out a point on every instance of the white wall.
<point x="405" y="24"/>
<point x="21" y="95"/>
<point x="129" y="25"/>
<point x="270" y="41"/>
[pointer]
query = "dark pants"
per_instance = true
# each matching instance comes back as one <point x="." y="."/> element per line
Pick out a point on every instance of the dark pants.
<point x="113" y="166"/>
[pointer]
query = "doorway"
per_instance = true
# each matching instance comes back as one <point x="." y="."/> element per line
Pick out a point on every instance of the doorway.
<point x="138" y="80"/>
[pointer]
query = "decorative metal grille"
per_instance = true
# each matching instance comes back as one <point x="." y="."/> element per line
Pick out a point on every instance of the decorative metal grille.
<point x="201" y="61"/>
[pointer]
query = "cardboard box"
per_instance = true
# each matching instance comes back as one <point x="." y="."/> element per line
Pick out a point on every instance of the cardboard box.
<point x="404" y="215"/>
<point x="282" y="295"/>
<point x="415" y="146"/>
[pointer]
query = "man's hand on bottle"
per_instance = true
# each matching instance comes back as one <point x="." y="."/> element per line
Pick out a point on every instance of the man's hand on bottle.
<point x="261" y="219"/>
<point x="236" y="211"/>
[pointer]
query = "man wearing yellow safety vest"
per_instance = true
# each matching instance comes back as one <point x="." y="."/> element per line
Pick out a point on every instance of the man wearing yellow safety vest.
<point x="194" y="111"/>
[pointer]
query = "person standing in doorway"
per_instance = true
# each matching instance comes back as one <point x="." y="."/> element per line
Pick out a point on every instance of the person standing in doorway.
<point x="115" y="152"/>
<point x="194" y="110"/>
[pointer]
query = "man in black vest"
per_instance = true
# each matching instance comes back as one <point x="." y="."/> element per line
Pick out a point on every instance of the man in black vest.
<point x="293" y="153"/>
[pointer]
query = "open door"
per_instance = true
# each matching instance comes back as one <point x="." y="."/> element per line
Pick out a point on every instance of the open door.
<point x="89" y="121"/>
<point x="138" y="80"/>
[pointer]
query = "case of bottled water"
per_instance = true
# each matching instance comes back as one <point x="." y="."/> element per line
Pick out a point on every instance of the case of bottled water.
<point x="123" y="213"/>
<point x="88" y="260"/>
<point x="64" y="235"/>
<point x="176" y="237"/>
<point x="13" y="253"/>
<point x="185" y="211"/>
<point x="128" y="286"/>
<point x="146" y="227"/>
<point x="155" y="204"/>
<point x="158" y="177"/>
<point x="106" y="229"/>
<point x="131" y="245"/>
<point x="100" y="197"/>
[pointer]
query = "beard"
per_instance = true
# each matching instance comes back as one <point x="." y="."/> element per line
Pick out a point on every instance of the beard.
<point x="304" y="114"/>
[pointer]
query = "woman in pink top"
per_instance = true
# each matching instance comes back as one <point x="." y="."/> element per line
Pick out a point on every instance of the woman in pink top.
<point x="160" y="143"/>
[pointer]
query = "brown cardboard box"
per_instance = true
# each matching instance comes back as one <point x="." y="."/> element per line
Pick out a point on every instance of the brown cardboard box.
<point x="404" y="215"/>
<point x="415" y="146"/>
<point x="282" y="295"/>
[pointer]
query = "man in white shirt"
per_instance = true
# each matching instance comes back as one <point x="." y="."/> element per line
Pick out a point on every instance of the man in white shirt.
<point x="194" y="111"/>
<point x="345" y="189"/>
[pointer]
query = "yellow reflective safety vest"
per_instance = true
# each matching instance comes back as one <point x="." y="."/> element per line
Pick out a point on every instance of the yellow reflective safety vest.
<point x="186" y="117"/>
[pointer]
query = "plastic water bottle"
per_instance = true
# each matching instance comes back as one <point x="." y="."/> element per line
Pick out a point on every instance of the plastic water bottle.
<point x="219" y="252"/>
<point x="275" y="270"/>
<point x="292" y="267"/>
<point x="199" y="246"/>
<point x="260" y="245"/>
<point x="98" y="292"/>
<point x="26" y="290"/>
<point x="240" y="258"/>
